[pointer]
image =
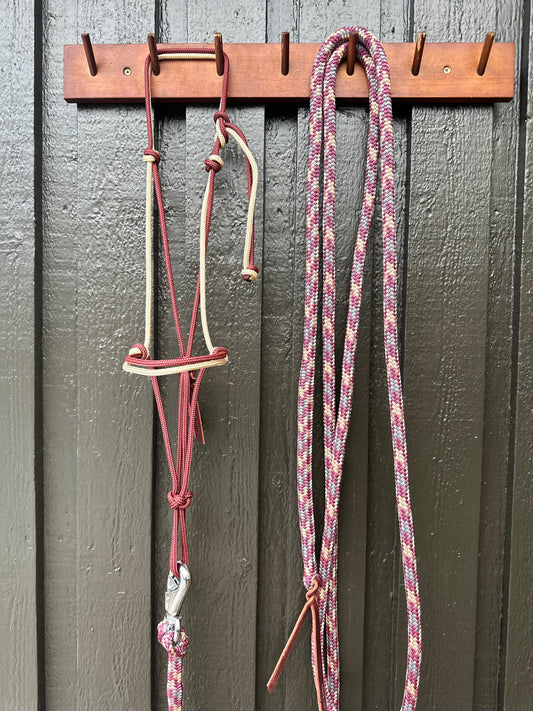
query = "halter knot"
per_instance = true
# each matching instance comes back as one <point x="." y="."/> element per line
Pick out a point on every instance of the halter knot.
<point x="151" y="155"/>
<point x="314" y="590"/>
<point x="221" y="118"/>
<point x="165" y="635"/>
<point x="214" y="162"/>
<point x="178" y="501"/>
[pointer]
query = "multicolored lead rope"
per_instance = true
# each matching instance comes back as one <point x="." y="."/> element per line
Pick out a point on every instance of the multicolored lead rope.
<point x="320" y="578"/>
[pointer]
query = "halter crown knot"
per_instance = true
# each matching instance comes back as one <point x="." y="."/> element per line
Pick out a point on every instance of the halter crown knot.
<point x="179" y="501"/>
<point x="224" y="119"/>
<point x="151" y="155"/>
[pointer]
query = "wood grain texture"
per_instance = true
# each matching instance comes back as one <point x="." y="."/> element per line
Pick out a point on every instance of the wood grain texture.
<point x="445" y="368"/>
<point x="445" y="337"/>
<point x="498" y="381"/>
<point x="518" y="672"/>
<point x="19" y="684"/>
<point x="114" y="447"/>
<point x="279" y="552"/>
<point x="463" y="215"/>
<point x="280" y="555"/>
<point x="60" y="363"/>
<point x="459" y="83"/>
<point x="220" y="611"/>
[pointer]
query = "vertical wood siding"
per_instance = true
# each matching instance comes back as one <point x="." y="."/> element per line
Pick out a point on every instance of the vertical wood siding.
<point x="20" y="383"/>
<point x="84" y="521"/>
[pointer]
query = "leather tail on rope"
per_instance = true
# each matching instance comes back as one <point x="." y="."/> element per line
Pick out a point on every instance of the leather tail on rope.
<point x="190" y="368"/>
<point x="320" y="576"/>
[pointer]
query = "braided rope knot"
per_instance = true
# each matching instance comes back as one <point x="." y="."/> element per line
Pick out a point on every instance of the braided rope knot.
<point x="178" y="501"/>
<point x="139" y="350"/>
<point x="214" y="162"/>
<point x="221" y="118"/>
<point x="165" y="635"/>
<point x="151" y="156"/>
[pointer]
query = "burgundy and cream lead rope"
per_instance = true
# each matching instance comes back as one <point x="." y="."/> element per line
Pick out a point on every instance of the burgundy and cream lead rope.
<point x="320" y="577"/>
<point x="190" y="368"/>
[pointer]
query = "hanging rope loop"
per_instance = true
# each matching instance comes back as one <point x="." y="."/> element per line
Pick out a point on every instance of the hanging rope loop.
<point x="320" y="261"/>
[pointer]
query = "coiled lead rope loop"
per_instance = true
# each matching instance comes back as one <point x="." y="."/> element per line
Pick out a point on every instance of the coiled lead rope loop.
<point x="320" y="576"/>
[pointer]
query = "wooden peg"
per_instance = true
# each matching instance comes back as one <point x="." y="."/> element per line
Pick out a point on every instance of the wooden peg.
<point x="285" y="43"/>
<point x="434" y="84"/>
<point x="485" y="53"/>
<point x="154" y="57"/>
<point x="352" y="51"/>
<point x="87" y="46"/>
<point x="419" y="49"/>
<point x="219" y="53"/>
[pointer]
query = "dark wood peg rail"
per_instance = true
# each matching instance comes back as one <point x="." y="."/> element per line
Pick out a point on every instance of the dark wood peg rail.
<point x="421" y="72"/>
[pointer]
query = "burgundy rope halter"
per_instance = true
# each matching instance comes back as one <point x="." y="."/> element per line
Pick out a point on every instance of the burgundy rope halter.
<point x="190" y="368"/>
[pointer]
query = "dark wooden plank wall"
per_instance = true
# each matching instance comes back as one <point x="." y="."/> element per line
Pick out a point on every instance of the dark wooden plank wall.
<point x="20" y="384"/>
<point x="84" y="521"/>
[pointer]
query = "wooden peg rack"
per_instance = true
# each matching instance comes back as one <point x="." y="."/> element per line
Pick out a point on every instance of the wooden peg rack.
<point x="447" y="73"/>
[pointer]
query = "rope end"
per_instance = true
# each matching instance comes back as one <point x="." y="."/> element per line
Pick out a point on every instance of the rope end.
<point x="311" y="605"/>
<point x="139" y="350"/>
<point x="250" y="273"/>
<point x="271" y="684"/>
